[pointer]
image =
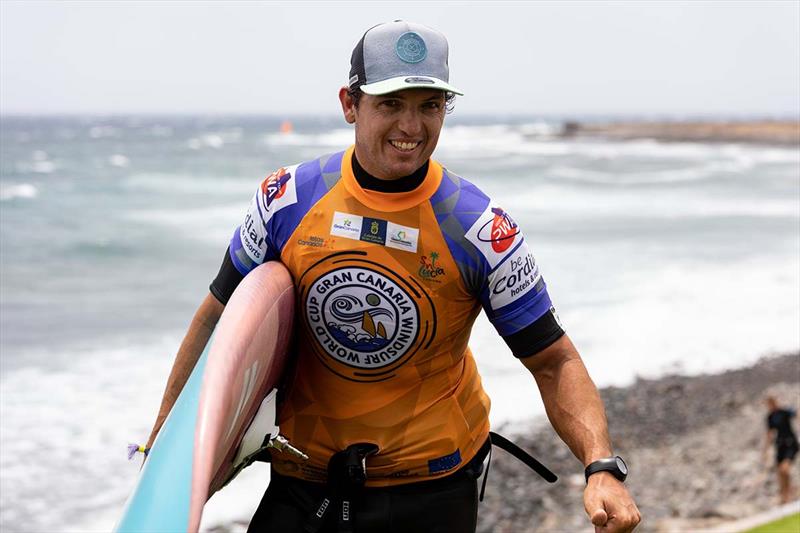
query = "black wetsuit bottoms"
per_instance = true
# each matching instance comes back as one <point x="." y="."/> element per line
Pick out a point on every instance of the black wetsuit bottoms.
<point x="786" y="448"/>
<point x="447" y="505"/>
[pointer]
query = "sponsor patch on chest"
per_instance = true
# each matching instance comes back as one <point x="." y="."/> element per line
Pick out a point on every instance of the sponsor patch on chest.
<point x="365" y="319"/>
<point x="375" y="231"/>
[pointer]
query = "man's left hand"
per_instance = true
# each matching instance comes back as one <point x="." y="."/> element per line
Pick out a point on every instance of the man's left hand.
<point x="609" y="505"/>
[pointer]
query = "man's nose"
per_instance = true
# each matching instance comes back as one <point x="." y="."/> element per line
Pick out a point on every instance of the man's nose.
<point x="410" y="122"/>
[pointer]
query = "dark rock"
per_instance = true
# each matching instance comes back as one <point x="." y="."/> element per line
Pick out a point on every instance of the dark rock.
<point x="693" y="445"/>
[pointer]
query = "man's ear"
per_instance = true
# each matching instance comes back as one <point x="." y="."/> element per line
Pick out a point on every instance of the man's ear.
<point x="348" y="106"/>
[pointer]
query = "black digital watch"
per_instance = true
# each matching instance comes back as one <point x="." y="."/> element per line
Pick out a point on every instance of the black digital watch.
<point x="615" y="465"/>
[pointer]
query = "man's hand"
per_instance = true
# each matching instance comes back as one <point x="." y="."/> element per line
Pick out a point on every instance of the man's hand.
<point x="609" y="505"/>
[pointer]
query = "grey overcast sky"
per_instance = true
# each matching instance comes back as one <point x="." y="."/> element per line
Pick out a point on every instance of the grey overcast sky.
<point x="629" y="58"/>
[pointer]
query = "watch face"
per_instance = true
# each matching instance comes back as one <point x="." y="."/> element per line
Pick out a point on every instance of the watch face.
<point x="622" y="466"/>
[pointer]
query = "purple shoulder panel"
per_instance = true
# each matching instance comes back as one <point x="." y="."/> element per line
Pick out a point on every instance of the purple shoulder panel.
<point x="313" y="180"/>
<point x="457" y="204"/>
<point x="492" y="255"/>
<point x="277" y="208"/>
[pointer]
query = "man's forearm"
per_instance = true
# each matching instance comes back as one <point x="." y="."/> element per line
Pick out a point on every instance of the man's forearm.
<point x="203" y="323"/>
<point x="571" y="400"/>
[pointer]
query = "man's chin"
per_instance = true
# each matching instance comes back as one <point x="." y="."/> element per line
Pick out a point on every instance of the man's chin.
<point x="400" y="171"/>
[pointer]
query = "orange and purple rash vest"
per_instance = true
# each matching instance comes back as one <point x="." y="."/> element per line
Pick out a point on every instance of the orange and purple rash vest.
<point x="388" y="287"/>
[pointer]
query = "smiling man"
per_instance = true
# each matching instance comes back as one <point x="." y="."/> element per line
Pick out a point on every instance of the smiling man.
<point x="393" y="257"/>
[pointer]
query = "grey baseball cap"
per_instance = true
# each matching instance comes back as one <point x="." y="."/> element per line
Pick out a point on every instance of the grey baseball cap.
<point x="400" y="55"/>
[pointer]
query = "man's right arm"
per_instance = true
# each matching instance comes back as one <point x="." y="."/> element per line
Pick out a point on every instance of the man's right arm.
<point x="768" y="440"/>
<point x="203" y="324"/>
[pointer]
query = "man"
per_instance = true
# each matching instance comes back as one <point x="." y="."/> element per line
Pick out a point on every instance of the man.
<point x="779" y="431"/>
<point x="393" y="257"/>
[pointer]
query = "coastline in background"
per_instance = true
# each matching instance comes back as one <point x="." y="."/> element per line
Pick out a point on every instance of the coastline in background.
<point x="661" y="257"/>
<point x="778" y="132"/>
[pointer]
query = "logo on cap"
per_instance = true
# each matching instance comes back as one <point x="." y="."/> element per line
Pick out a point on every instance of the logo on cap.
<point x="411" y="48"/>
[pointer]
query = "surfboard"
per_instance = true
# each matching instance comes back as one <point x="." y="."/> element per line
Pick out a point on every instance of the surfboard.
<point x="225" y="413"/>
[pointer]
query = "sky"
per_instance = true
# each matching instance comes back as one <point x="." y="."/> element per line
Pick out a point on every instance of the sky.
<point x="643" y="58"/>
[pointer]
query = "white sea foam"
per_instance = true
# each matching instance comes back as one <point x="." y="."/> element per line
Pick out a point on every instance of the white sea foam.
<point x="210" y="225"/>
<point x="67" y="430"/>
<point x="85" y="449"/>
<point x="216" y="140"/>
<point x="183" y="184"/>
<point x="18" y="190"/>
<point x="335" y="138"/>
<point x="119" y="160"/>
<point x="541" y="139"/>
<point x="699" y="318"/>
<point x="44" y="167"/>
<point x="39" y="163"/>
<point x="161" y="131"/>
<point x="103" y="132"/>
<point x="677" y="174"/>
<point x="575" y="203"/>
<point x="634" y="305"/>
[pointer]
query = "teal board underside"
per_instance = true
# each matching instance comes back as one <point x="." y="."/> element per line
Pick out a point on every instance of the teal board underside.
<point x="160" y="501"/>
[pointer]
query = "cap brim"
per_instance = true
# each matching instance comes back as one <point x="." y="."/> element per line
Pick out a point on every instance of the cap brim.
<point x="408" y="82"/>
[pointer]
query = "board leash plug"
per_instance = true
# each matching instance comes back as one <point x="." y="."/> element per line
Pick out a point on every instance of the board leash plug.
<point x="282" y="444"/>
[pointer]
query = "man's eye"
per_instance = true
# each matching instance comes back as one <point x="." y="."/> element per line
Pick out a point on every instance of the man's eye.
<point x="434" y="106"/>
<point x="390" y="103"/>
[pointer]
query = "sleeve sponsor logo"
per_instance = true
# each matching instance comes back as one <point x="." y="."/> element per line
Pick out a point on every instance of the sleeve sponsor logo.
<point x="501" y="231"/>
<point x="253" y="233"/>
<point x="275" y="192"/>
<point x="494" y="234"/>
<point x="274" y="186"/>
<point x="514" y="278"/>
<point x="278" y="191"/>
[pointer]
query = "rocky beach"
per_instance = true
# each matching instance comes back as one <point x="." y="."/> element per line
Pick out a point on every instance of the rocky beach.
<point x="693" y="444"/>
<point x="774" y="132"/>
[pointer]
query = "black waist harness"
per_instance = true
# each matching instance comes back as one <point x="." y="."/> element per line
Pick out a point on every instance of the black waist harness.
<point x="347" y="475"/>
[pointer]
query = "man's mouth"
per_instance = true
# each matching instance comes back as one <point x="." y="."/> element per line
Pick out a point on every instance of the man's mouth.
<point x="405" y="146"/>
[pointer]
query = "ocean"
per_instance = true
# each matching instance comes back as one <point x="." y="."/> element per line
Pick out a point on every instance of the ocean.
<point x="659" y="257"/>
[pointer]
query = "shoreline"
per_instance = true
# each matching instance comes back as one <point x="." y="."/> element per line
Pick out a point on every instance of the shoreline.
<point x="693" y="443"/>
<point x="771" y="132"/>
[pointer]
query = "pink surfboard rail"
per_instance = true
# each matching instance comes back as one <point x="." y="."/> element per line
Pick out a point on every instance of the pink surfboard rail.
<point x="245" y="362"/>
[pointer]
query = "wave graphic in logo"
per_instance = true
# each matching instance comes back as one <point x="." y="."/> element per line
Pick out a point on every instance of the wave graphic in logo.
<point x="362" y="325"/>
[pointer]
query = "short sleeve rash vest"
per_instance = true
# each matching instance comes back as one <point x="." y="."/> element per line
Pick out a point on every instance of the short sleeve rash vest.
<point x="780" y="421"/>
<point x="388" y="287"/>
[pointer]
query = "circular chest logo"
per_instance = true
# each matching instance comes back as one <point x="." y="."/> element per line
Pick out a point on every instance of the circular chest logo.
<point x="362" y="318"/>
<point x="411" y="48"/>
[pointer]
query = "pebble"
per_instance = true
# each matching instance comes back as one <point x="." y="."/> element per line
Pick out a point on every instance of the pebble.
<point x="693" y="444"/>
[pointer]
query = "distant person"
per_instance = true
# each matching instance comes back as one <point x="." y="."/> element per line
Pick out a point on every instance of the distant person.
<point x="779" y="431"/>
<point x="393" y="257"/>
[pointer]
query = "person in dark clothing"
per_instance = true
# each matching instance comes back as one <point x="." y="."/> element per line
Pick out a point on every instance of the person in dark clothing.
<point x="779" y="431"/>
